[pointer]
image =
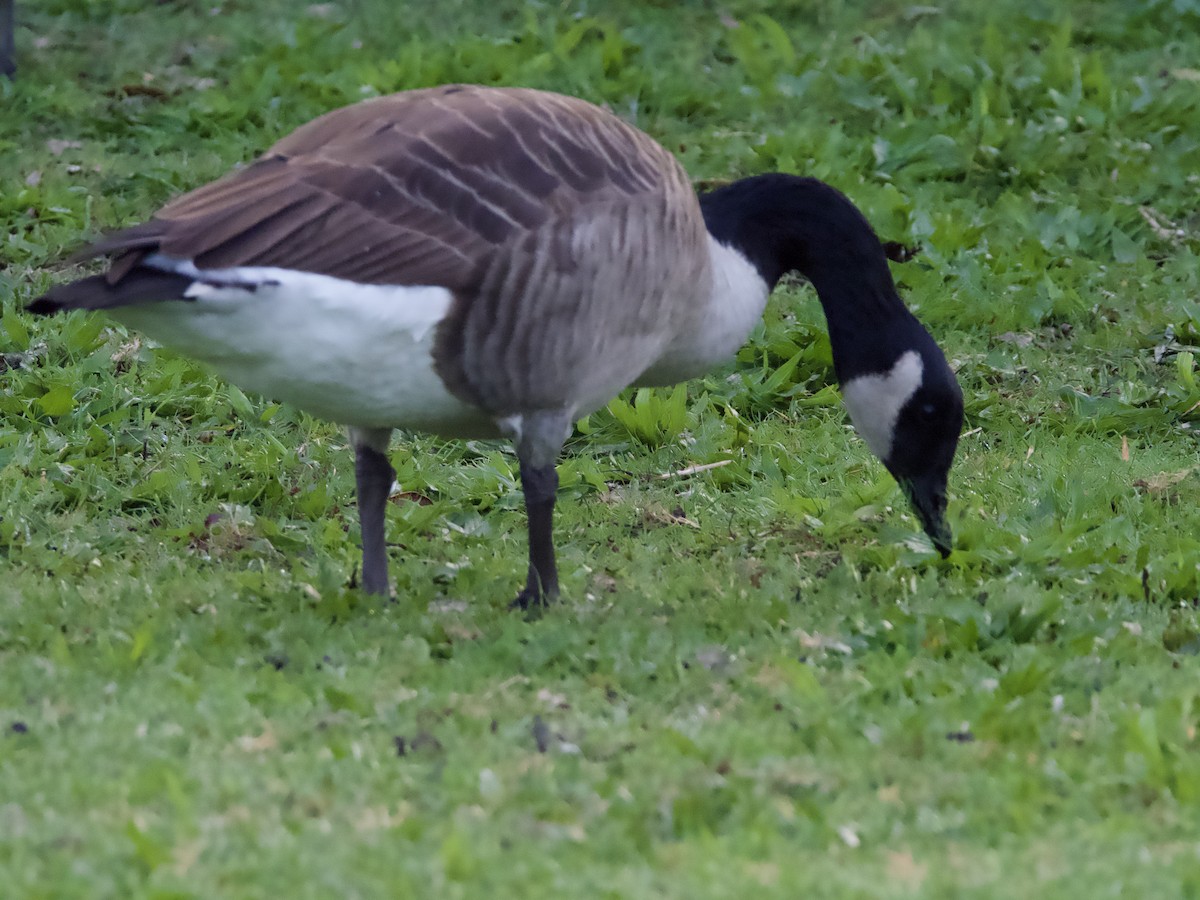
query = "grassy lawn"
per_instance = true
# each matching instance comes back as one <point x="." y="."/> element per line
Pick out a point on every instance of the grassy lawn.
<point x="761" y="681"/>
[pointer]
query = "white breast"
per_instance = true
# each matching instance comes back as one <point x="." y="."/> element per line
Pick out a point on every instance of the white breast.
<point x="353" y="353"/>
<point x="874" y="401"/>
<point x="726" y="314"/>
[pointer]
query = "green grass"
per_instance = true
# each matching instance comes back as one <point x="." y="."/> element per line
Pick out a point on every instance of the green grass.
<point x="761" y="681"/>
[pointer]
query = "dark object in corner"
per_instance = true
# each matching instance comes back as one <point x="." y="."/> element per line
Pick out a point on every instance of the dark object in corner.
<point x="898" y="252"/>
<point x="8" y="60"/>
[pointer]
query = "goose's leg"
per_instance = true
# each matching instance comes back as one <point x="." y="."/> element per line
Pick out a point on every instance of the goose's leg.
<point x="540" y="485"/>
<point x="374" y="476"/>
<point x="541" y="438"/>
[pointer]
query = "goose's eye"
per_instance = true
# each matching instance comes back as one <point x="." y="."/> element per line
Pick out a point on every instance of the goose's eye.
<point x="927" y="412"/>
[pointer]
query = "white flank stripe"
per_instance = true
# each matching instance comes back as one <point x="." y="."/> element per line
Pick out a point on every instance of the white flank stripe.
<point x="358" y="354"/>
<point x="874" y="401"/>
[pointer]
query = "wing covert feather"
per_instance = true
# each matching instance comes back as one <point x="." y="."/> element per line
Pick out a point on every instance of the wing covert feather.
<point x="419" y="187"/>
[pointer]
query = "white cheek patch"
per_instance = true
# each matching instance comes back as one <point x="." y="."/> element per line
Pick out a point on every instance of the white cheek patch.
<point x="874" y="401"/>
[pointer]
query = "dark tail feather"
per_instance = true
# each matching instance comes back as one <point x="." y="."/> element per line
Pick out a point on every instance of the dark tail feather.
<point x="146" y="236"/>
<point x="142" y="285"/>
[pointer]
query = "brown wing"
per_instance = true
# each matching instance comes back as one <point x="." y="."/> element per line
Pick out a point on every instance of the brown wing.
<point x="413" y="188"/>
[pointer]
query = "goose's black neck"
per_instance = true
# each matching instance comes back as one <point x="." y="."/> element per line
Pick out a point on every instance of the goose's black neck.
<point x="785" y="223"/>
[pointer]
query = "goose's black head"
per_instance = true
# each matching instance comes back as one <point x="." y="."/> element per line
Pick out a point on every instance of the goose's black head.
<point x="901" y="394"/>
<point x="910" y="414"/>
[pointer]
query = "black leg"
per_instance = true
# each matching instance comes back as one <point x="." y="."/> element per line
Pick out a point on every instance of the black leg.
<point x="539" y="484"/>
<point x="374" y="475"/>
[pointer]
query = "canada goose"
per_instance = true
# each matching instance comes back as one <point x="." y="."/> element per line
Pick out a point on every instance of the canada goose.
<point x="485" y="262"/>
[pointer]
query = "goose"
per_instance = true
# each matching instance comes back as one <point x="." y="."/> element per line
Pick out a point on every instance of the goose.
<point x="487" y="262"/>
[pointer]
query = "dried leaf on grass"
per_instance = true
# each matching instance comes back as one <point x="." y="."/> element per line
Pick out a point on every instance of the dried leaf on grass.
<point x="1163" y="481"/>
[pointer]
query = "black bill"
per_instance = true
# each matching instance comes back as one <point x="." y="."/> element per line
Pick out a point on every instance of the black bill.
<point x="927" y="494"/>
